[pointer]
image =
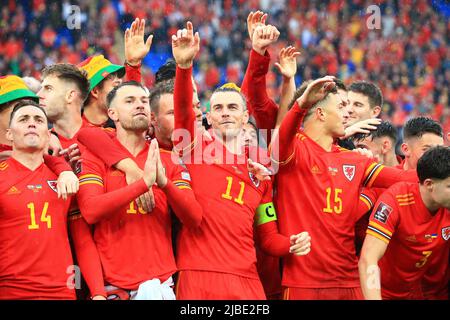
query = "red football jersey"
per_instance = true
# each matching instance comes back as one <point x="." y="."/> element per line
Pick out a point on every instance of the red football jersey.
<point x="416" y="240"/>
<point x="436" y="278"/>
<point x="318" y="192"/>
<point x="35" y="256"/>
<point x="134" y="246"/>
<point x="229" y="195"/>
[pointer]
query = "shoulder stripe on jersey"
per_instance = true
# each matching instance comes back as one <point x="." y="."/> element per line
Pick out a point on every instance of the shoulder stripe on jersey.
<point x="378" y="232"/>
<point x="401" y="196"/>
<point x="376" y="235"/>
<point x="180" y="181"/>
<point x="90" y="181"/>
<point x="371" y="173"/>
<point x="406" y="204"/>
<point x="89" y="175"/>
<point x="184" y="187"/>
<point x="366" y="200"/>
<point x="381" y="228"/>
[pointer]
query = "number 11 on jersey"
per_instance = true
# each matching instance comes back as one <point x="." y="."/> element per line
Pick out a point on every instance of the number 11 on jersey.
<point x="227" y="194"/>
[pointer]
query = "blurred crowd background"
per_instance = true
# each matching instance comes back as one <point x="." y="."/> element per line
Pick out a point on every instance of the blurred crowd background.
<point x="408" y="58"/>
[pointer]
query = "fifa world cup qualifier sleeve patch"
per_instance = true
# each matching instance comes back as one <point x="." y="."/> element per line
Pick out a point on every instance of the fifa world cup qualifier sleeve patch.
<point x="265" y="213"/>
<point x="382" y="213"/>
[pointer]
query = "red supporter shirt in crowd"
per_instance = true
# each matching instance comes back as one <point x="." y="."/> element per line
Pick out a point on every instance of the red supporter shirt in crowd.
<point x="415" y="239"/>
<point x="134" y="245"/>
<point x="35" y="253"/>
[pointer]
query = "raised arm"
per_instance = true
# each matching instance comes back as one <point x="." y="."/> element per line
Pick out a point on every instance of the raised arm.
<point x="259" y="104"/>
<point x="96" y="204"/>
<point x="135" y="49"/>
<point x="287" y="66"/>
<point x="282" y="147"/>
<point x="379" y="176"/>
<point x="185" y="46"/>
<point x="98" y="142"/>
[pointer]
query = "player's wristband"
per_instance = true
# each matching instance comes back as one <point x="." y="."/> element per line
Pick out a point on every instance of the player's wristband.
<point x="265" y="213"/>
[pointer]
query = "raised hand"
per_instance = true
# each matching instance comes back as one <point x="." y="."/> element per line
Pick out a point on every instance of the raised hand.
<point x="263" y="37"/>
<point x="150" y="165"/>
<point x="161" y="178"/>
<point x="362" y="127"/>
<point x="316" y="91"/>
<point x="254" y="20"/>
<point x="72" y="154"/>
<point x="135" y="47"/>
<point x="185" y="46"/>
<point x="258" y="170"/>
<point x="288" y="61"/>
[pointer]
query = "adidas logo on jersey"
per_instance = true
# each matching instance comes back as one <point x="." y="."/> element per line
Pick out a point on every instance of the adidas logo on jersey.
<point x="411" y="238"/>
<point x="117" y="173"/>
<point x="315" y="169"/>
<point x="13" y="190"/>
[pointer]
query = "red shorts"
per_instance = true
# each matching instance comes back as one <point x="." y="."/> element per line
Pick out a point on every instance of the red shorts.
<point x="206" y="285"/>
<point x="322" y="293"/>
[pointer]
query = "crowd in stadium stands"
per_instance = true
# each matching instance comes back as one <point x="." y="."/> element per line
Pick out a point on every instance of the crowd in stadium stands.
<point x="409" y="57"/>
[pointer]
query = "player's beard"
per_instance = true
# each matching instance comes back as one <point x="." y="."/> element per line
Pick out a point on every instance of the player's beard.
<point x="136" y="124"/>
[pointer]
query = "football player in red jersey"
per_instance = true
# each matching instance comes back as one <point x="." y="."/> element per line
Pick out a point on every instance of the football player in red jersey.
<point x="233" y="200"/>
<point x="408" y="230"/>
<point x="419" y="135"/>
<point x="329" y="180"/>
<point x="35" y="255"/>
<point x="365" y="102"/>
<point x="381" y="142"/>
<point x="135" y="246"/>
<point x="64" y="88"/>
